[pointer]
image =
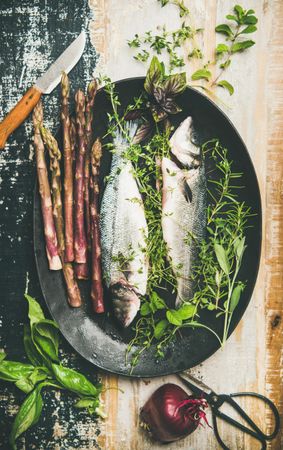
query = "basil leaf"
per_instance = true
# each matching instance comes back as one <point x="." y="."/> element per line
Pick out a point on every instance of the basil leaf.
<point x="30" y="349"/>
<point x="173" y="317"/>
<point x="235" y="297"/>
<point x="160" y="328"/>
<point x="143" y="132"/>
<point x="13" y="371"/>
<point x="222" y="258"/>
<point x="74" y="381"/>
<point x="175" y="84"/>
<point x="46" y="338"/>
<point x="25" y="385"/>
<point x="154" y="75"/>
<point x="45" y="346"/>
<point x="158" y="113"/>
<point x="27" y="416"/>
<point x="186" y="311"/>
<point x="201" y="74"/>
<point x="226" y="85"/>
<point x="87" y="403"/>
<point x="241" y="46"/>
<point x="35" y="312"/>
<point x="2" y="356"/>
<point x="170" y="106"/>
<point x="39" y="374"/>
<point x="224" y="29"/>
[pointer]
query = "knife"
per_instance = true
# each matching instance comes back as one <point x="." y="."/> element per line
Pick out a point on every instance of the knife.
<point x="44" y="85"/>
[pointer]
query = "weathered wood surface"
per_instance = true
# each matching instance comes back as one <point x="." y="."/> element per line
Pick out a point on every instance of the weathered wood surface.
<point x="252" y="358"/>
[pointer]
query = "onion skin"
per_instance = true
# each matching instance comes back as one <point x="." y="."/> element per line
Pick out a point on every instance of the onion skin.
<point x="165" y="419"/>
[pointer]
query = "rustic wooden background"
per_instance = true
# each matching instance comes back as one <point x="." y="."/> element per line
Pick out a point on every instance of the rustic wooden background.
<point x="252" y="358"/>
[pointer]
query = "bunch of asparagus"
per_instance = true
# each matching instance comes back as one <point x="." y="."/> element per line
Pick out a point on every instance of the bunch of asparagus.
<point x="70" y="215"/>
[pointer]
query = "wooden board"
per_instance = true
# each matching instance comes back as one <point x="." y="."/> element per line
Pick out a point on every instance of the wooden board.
<point x="252" y="358"/>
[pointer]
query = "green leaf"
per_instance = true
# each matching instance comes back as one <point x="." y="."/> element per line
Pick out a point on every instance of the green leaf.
<point x="211" y="307"/>
<point x="239" y="247"/>
<point x="225" y="84"/>
<point x="39" y="374"/>
<point x="225" y="64"/>
<point x="249" y="29"/>
<point x="232" y="17"/>
<point x="13" y="371"/>
<point x="160" y="328"/>
<point x="241" y="46"/>
<point x="45" y="336"/>
<point x="2" y="356"/>
<point x="35" y="312"/>
<point x="222" y="48"/>
<point x="222" y="258"/>
<point x="74" y="381"/>
<point x="157" y="301"/>
<point x="145" y="309"/>
<point x="235" y="297"/>
<point x="173" y="317"/>
<point x="154" y="75"/>
<point x="25" y="385"/>
<point x="224" y="29"/>
<point x="33" y="355"/>
<point x="87" y="403"/>
<point x="175" y="84"/>
<point x="201" y="74"/>
<point x="27" y="416"/>
<point x="249" y="20"/>
<point x="186" y="311"/>
<point x="239" y="11"/>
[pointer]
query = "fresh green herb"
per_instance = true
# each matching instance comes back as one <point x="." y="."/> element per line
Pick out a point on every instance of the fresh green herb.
<point x="41" y="341"/>
<point x="242" y="22"/>
<point x="183" y="10"/>
<point x="167" y="42"/>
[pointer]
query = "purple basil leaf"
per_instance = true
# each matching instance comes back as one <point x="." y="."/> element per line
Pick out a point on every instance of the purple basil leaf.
<point x="143" y="132"/>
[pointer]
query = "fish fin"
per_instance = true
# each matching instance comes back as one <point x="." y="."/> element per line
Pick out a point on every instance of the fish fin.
<point x="186" y="190"/>
<point x="120" y="140"/>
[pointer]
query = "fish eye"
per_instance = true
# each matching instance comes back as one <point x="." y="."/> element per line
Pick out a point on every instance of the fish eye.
<point x="194" y="137"/>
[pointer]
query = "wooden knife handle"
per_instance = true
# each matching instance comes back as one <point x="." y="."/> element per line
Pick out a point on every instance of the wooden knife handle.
<point x="18" y="114"/>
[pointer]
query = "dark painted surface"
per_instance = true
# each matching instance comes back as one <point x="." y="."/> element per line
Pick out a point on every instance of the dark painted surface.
<point x="32" y="34"/>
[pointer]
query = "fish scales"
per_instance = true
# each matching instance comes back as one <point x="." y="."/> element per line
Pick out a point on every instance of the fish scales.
<point x="123" y="235"/>
<point x="183" y="206"/>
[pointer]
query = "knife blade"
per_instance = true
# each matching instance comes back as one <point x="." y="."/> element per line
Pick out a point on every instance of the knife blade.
<point x="44" y="85"/>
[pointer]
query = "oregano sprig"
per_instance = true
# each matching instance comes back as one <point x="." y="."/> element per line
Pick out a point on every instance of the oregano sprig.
<point x="239" y="24"/>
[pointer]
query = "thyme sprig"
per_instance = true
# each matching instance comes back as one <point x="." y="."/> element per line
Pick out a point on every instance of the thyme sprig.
<point x="165" y="42"/>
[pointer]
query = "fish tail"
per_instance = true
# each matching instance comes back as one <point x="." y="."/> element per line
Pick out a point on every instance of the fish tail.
<point x="122" y="139"/>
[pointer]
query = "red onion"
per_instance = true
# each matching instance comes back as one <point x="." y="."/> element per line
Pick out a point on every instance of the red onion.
<point x="171" y="414"/>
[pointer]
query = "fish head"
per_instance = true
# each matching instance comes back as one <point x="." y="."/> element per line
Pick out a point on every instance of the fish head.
<point x="126" y="302"/>
<point x="184" y="145"/>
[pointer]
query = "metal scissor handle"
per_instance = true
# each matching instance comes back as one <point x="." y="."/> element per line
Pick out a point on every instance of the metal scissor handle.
<point x="254" y="431"/>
